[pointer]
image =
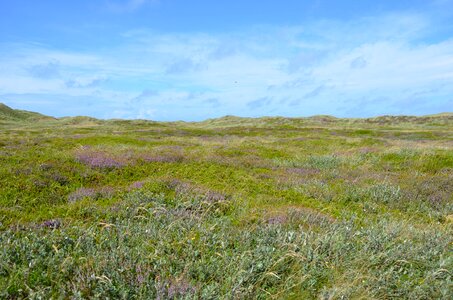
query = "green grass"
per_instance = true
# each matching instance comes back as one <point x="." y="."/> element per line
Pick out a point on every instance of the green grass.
<point x="229" y="208"/>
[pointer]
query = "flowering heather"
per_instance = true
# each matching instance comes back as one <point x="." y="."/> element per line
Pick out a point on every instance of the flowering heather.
<point x="183" y="188"/>
<point x="212" y="196"/>
<point x="81" y="193"/>
<point x="136" y="185"/>
<point x="175" y="289"/>
<point x="99" y="159"/>
<point x="52" y="224"/>
<point x="303" y="171"/>
<point x="270" y="208"/>
<point x="174" y="183"/>
<point x="277" y="220"/>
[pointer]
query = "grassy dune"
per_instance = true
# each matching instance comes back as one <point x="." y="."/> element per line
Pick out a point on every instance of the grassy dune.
<point x="228" y="208"/>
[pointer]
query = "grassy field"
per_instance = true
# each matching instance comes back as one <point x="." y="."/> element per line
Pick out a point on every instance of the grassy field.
<point x="229" y="208"/>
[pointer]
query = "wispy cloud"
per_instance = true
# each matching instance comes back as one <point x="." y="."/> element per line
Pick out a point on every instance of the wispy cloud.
<point x="358" y="63"/>
<point x="45" y="70"/>
<point x="373" y="65"/>
<point x="182" y="66"/>
<point x="258" y="103"/>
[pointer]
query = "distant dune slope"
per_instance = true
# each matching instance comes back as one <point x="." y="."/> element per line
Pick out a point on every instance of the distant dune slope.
<point x="10" y="115"/>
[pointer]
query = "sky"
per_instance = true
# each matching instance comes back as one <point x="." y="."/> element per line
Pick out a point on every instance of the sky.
<point x="191" y="60"/>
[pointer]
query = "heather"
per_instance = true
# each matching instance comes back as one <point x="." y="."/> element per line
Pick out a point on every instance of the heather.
<point x="229" y="208"/>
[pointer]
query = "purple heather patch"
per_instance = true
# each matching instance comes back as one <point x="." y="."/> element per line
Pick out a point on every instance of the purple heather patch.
<point x="52" y="224"/>
<point x="185" y="189"/>
<point x="81" y="193"/>
<point x="175" y="289"/>
<point x="141" y="274"/>
<point x="212" y="196"/>
<point x="278" y="219"/>
<point x="137" y="185"/>
<point x="99" y="159"/>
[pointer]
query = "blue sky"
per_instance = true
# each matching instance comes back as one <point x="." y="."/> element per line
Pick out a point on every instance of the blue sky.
<point x="193" y="59"/>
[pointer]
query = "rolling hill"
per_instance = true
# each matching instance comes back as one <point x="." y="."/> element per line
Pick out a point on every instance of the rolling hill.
<point x="10" y="114"/>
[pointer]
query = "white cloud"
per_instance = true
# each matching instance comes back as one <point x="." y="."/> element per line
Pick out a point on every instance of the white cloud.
<point x="342" y="68"/>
